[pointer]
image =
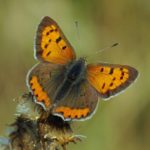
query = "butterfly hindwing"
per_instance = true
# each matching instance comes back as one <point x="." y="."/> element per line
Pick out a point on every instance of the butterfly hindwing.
<point x="80" y="103"/>
<point x="42" y="80"/>
<point x="110" y="79"/>
<point x="51" y="45"/>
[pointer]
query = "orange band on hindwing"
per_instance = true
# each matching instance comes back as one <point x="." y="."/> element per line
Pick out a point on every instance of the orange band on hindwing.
<point x="72" y="113"/>
<point x="39" y="93"/>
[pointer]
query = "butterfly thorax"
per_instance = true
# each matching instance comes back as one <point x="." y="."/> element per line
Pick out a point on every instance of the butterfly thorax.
<point x="76" y="71"/>
<point x="75" y="74"/>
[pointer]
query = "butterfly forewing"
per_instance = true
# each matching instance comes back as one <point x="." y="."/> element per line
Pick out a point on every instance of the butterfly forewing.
<point x="51" y="45"/>
<point x="110" y="79"/>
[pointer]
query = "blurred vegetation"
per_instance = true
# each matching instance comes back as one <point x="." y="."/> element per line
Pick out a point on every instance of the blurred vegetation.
<point x="124" y="121"/>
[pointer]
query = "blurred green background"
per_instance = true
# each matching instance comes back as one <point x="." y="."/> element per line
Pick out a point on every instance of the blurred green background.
<point x="123" y="123"/>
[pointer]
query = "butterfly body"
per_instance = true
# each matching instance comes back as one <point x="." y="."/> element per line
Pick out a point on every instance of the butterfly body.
<point x="74" y="76"/>
<point x="66" y="86"/>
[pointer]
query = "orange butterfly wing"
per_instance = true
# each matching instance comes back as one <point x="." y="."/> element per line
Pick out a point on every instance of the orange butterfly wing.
<point x="51" y="45"/>
<point x="110" y="79"/>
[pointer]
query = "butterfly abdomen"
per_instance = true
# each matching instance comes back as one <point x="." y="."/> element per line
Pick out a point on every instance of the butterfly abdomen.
<point x="63" y="91"/>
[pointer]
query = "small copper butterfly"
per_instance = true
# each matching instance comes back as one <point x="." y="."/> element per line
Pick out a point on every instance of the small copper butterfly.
<point x="66" y="86"/>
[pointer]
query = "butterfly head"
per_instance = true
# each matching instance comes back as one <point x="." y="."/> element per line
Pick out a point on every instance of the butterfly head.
<point x="82" y="60"/>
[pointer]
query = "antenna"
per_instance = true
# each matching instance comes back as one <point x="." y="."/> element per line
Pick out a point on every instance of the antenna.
<point x="77" y="27"/>
<point x="105" y="48"/>
<point x="108" y="47"/>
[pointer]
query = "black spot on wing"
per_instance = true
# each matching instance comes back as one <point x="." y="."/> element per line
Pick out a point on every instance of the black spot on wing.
<point x="111" y="71"/>
<point x="121" y="77"/>
<point x="64" y="47"/>
<point x="46" y="45"/>
<point x="33" y="89"/>
<point x="58" y="39"/>
<point x="121" y="69"/>
<point x="111" y="84"/>
<point x="47" y="33"/>
<point x="102" y="69"/>
<point x="114" y="79"/>
<point x="56" y="30"/>
<point x="122" y="73"/>
<point x="48" y="53"/>
<point x="103" y="86"/>
<point x="51" y="30"/>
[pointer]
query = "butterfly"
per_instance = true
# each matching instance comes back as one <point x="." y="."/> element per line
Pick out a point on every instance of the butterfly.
<point x="66" y="86"/>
